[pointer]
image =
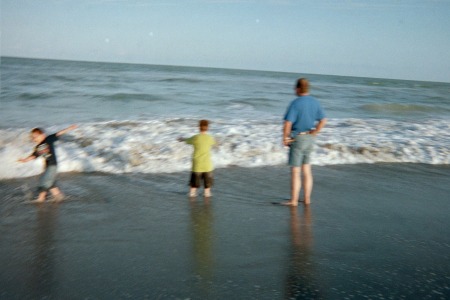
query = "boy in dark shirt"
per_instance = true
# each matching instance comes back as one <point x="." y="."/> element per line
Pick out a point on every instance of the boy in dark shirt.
<point x="45" y="148"/>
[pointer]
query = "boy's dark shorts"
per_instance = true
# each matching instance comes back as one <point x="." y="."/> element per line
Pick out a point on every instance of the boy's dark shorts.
<point x="197" y="177"/>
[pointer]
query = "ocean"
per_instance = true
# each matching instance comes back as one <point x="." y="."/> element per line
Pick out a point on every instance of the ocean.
<point x="377" y="226"/>
<point x="130" y="116"/>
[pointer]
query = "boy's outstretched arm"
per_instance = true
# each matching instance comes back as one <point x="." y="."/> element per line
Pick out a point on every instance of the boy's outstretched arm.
<point x="26" y="159"/>
<point x="71" y="127"/>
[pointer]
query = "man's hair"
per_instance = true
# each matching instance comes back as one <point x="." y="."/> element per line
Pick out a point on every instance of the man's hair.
<point x="203" y="125"/>
<point x="37" y="130"/>
<point x="303" y="85"/>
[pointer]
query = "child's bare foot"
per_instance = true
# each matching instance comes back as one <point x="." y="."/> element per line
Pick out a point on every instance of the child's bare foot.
<point x="38" y="200"/>
<point x="207" y="193"/>
<point x="58" y="198"/>
<point x="289" y="203"/>
<point x="192" y="193"/>
<point x="41" y="198"/>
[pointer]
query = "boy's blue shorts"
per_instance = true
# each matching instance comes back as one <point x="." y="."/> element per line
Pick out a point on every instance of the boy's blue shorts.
<point x="48" y="179"/>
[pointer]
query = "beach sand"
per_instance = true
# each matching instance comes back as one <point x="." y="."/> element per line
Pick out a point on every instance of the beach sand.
<point x="372" y="231"/>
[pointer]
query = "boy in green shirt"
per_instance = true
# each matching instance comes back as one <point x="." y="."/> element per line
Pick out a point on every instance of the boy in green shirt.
<point x="202" y="166"/>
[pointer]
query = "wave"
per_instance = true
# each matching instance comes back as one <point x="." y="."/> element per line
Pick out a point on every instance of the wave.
<point x="152" y="147"/>
<point x="130" y="97"/>
<point x="254" y="102"/>
<point x="34" y="96"/>
<point x="246" y="104"/>
<point x="399" y="108"/>
<point x="181" y="79"/>
<point x="66" y="78"/>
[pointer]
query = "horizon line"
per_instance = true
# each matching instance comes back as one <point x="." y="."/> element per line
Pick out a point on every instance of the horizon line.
<point x="211" y="67"/>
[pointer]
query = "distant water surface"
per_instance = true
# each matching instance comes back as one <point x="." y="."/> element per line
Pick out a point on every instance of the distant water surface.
<point x="130" y="115"/>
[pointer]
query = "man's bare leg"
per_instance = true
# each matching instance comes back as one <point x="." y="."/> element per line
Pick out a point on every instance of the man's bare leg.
<point x="307" y="182"/>
<point x="295" y="187"/>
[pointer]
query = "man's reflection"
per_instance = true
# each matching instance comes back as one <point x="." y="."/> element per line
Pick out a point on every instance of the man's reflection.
<point x="202" y="235"/>
<point x="300" y="283"/>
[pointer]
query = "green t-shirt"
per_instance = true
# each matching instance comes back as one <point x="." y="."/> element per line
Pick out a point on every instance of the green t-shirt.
<point x="201" y="159"/>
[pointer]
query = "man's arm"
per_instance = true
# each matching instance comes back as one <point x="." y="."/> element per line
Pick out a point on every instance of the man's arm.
<point x="287" y="133"/>
<point x="319" y="126"/>
<point x="61" y="132"/>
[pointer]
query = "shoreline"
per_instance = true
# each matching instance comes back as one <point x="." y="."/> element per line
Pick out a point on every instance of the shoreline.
<point x="139" y="236"/>
<point x="410" y="165"/>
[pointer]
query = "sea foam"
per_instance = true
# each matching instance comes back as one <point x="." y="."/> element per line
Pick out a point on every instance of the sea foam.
<point x="152" y="146"/>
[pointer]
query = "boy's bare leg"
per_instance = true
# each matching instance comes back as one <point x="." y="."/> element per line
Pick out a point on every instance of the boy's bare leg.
<point x="193" y="192"/>
<point x="307" y="182"/>
<point x="295" y="187"/>
<point x="208" y="192"/>
<point x="57" y="195"/>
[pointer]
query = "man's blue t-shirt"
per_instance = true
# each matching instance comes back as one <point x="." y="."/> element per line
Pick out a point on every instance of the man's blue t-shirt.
<point x="304" y="112"/>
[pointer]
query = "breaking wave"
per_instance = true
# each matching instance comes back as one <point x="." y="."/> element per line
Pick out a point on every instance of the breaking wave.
<point x="152" y="146"/>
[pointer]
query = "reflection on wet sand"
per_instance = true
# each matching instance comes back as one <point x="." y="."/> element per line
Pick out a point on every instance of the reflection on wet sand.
<point x="42" y="277"/>
<point x="301" y="281"/>
<point x="202" y="234"/>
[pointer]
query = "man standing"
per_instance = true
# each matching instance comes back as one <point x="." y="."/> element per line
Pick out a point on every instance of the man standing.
<point x="303" y="120"/>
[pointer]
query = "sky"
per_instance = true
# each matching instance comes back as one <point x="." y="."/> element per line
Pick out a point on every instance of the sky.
<point x="367" y="38"/>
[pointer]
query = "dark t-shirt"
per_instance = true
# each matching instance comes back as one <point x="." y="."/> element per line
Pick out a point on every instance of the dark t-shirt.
<point x="46" y="149"/>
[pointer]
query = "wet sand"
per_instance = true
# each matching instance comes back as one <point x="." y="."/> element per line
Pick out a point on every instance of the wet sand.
<point x="372" y="231"/>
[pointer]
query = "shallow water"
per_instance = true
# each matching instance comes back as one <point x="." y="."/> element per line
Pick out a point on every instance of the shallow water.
<point x="371" y="232"/>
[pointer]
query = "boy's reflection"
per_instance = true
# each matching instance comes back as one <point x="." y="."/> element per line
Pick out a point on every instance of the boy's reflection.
<point x="300" y="283"/>
<point x="43" y="261"/>
<point x="202" y="235"/>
